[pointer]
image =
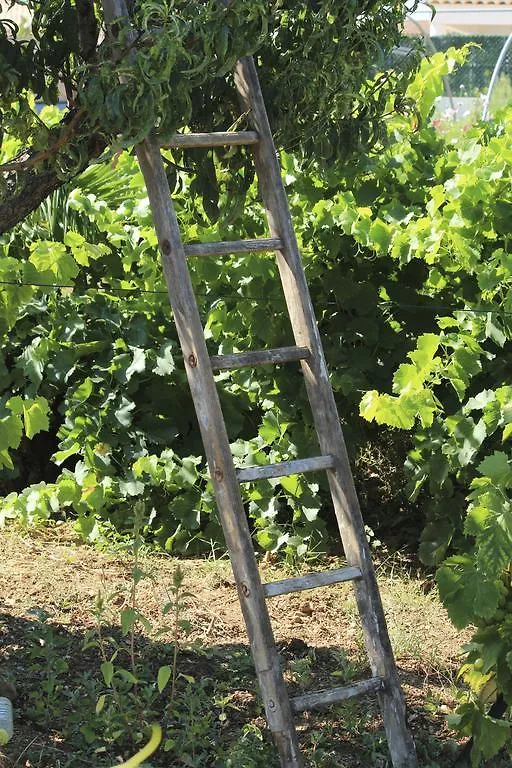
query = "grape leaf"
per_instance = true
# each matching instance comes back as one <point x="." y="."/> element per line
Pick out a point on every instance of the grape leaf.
<point x="435" y="540"/>
<point x="490" y="736"/>
<point x="51" y="257"/>
<point x="35" y="414"/>
<point x="495" y="543"/>
<point x="164" y="362"/>
<point x="124" y="413"/>
<point x="11" y="431"/>
<point x="497" y="468"/>
<point x="138" y="364"/>
<point x="466" y="593"/>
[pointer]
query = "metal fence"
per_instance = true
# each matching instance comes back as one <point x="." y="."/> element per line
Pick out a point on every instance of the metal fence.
<point x="473" y="77"/>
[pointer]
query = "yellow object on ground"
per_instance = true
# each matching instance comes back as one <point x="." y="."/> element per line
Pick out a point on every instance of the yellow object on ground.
<point x="4" y="737"/>
<point x="145" y="752"/>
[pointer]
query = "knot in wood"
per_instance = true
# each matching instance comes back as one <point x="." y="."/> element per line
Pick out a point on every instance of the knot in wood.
<point x="245" y="589"/>
<point x="165" y="247"/>
<point x="192" y="361"/>
<point x="271" y="704"/>
<point x="219" y="474"/>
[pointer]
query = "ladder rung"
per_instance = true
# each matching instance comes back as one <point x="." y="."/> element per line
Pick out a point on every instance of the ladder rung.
<point x="233" y="246"/>
<point x="334" y="695"/>
<point x="260" y="357"/>
<point x="282" y="468"/>
<point x="310" y="581"/>
<point x="206" y="140"/>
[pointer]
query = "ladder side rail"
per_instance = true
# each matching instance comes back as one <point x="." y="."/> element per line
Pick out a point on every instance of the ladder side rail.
<point x="216" y="443"/>
<point x="220" y="461"/>
<point x="326" y="419"/>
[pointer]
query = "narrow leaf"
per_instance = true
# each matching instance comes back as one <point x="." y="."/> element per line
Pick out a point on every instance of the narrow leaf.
<point x="107" y="670"/>
<point x="164" y="675"/>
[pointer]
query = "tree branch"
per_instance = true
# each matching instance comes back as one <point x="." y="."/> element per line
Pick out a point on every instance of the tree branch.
<point x="28" y="160"/>
<point x="27" y="189"/>
<point x="88" y="29"/>
<point x="27" y="184"/>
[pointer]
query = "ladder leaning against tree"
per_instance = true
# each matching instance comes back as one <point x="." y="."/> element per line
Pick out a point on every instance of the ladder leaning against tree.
<point x="226" y="479"/>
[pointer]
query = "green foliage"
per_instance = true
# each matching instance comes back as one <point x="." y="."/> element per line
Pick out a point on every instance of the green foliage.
<point x="472" y="79"/>
<point x="103" y="352"/>
<point x="454" y="393"/>
<point x="118" y="710"/>
<point x="317" y="61"/>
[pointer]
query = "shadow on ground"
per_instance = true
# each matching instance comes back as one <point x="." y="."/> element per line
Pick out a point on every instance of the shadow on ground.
<point x="84" y="697"/>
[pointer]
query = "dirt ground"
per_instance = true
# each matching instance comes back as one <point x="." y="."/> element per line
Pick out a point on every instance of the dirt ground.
<point x="49" y="576"/>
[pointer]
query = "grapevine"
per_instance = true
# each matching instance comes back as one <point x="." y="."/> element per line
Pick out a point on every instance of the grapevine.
<point x="453" y="390"/>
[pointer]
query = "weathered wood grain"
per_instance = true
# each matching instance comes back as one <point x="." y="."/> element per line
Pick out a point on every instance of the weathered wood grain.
<point x="335" y="695"/>
<point x="276" y="356"/>
<point x="207" y="140"/>
<point x="232" y="246"/>
<point x="310" y="581"/>
<point x="284" y="468"/>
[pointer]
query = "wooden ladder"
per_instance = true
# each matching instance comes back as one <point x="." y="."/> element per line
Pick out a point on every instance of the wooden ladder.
<point x="226" y="479"/>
